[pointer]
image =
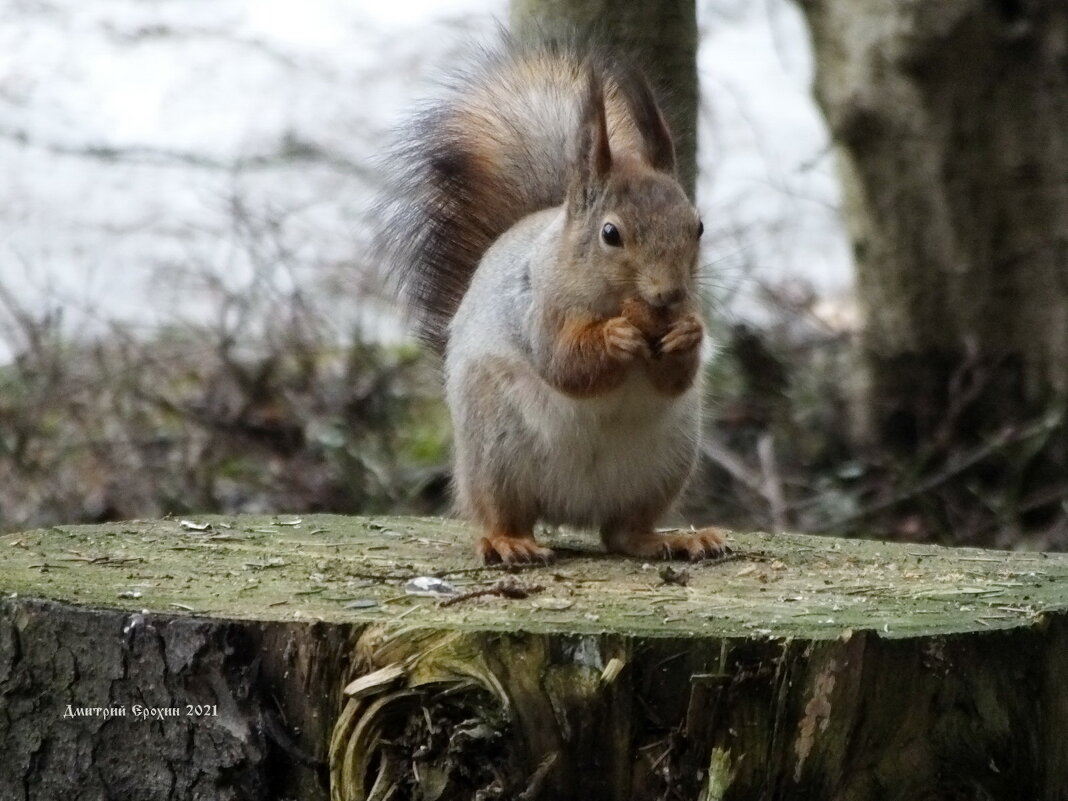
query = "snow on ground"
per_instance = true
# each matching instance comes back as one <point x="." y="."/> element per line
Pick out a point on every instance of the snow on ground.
<point x="143" y="144"/>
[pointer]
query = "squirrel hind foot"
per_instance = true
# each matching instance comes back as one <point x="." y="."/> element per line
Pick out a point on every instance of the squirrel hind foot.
<point x="509" y="549"/>
<point x="705" y="543"/>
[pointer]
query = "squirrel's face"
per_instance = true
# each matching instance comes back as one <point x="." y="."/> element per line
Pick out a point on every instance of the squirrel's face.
<point x="640" y="238"/>
<point x="631" y="231"/>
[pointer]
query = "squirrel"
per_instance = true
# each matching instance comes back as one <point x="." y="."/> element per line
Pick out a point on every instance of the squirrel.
<point x="537" y="229"/>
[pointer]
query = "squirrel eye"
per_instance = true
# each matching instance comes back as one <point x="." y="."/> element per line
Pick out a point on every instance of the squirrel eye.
<point x="610" y="236"/>
<point x="700" y="228"/>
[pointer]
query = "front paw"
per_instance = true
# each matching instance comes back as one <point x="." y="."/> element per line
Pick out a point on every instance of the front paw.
<point x="623" y="341"/>
<point x="684" y="336"/>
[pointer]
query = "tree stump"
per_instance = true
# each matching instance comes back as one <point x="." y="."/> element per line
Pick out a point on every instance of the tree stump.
<point x="278" y="658"/>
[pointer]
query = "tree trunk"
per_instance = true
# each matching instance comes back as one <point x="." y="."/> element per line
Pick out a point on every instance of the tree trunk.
<point x="658" y="36"/>
<point x="951" y="121"/>
<point x="261" y="658"/>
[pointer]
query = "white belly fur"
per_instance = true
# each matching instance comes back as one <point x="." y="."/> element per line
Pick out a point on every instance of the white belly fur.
<point x="611" y="452"/>
<point x="594" y="459"/>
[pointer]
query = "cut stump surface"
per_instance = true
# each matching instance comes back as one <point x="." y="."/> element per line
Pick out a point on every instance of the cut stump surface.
<point x="798" y="667"/>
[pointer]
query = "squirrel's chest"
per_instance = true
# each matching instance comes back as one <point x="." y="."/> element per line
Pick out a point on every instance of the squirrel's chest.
<point x="628" y="418"/>
<point x="601" y="454"/>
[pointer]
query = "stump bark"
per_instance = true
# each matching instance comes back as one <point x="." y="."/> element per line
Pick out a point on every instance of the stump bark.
<point x="277" y="658"/>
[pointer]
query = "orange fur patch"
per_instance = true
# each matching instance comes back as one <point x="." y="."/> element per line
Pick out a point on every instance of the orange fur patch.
<point x="581" y="365"/>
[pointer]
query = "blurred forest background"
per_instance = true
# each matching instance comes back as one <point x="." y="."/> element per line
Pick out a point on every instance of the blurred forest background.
<point x="188" y="322"/>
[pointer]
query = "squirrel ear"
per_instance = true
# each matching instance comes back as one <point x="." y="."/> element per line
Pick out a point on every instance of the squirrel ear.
<point x="656" y="136"/>
<point x="593" y="154"/>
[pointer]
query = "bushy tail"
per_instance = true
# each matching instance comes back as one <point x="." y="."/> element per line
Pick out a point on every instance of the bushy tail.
<point x="498" y="147"/>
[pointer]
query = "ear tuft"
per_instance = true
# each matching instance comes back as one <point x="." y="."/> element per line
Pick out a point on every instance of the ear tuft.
<point x="593" y="154"/>
<point x="653" y="128"/>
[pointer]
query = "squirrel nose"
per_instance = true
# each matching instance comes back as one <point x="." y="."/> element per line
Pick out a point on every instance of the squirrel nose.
<point x="668" y="297"/>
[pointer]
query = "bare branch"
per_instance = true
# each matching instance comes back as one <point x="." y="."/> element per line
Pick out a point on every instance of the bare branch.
<point x="293" y="150"/>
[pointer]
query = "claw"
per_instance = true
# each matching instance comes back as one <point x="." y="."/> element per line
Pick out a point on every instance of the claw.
<point x="623" y="340"/>
<point x="705" y="543"/>
<point x="499" y="549"/>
